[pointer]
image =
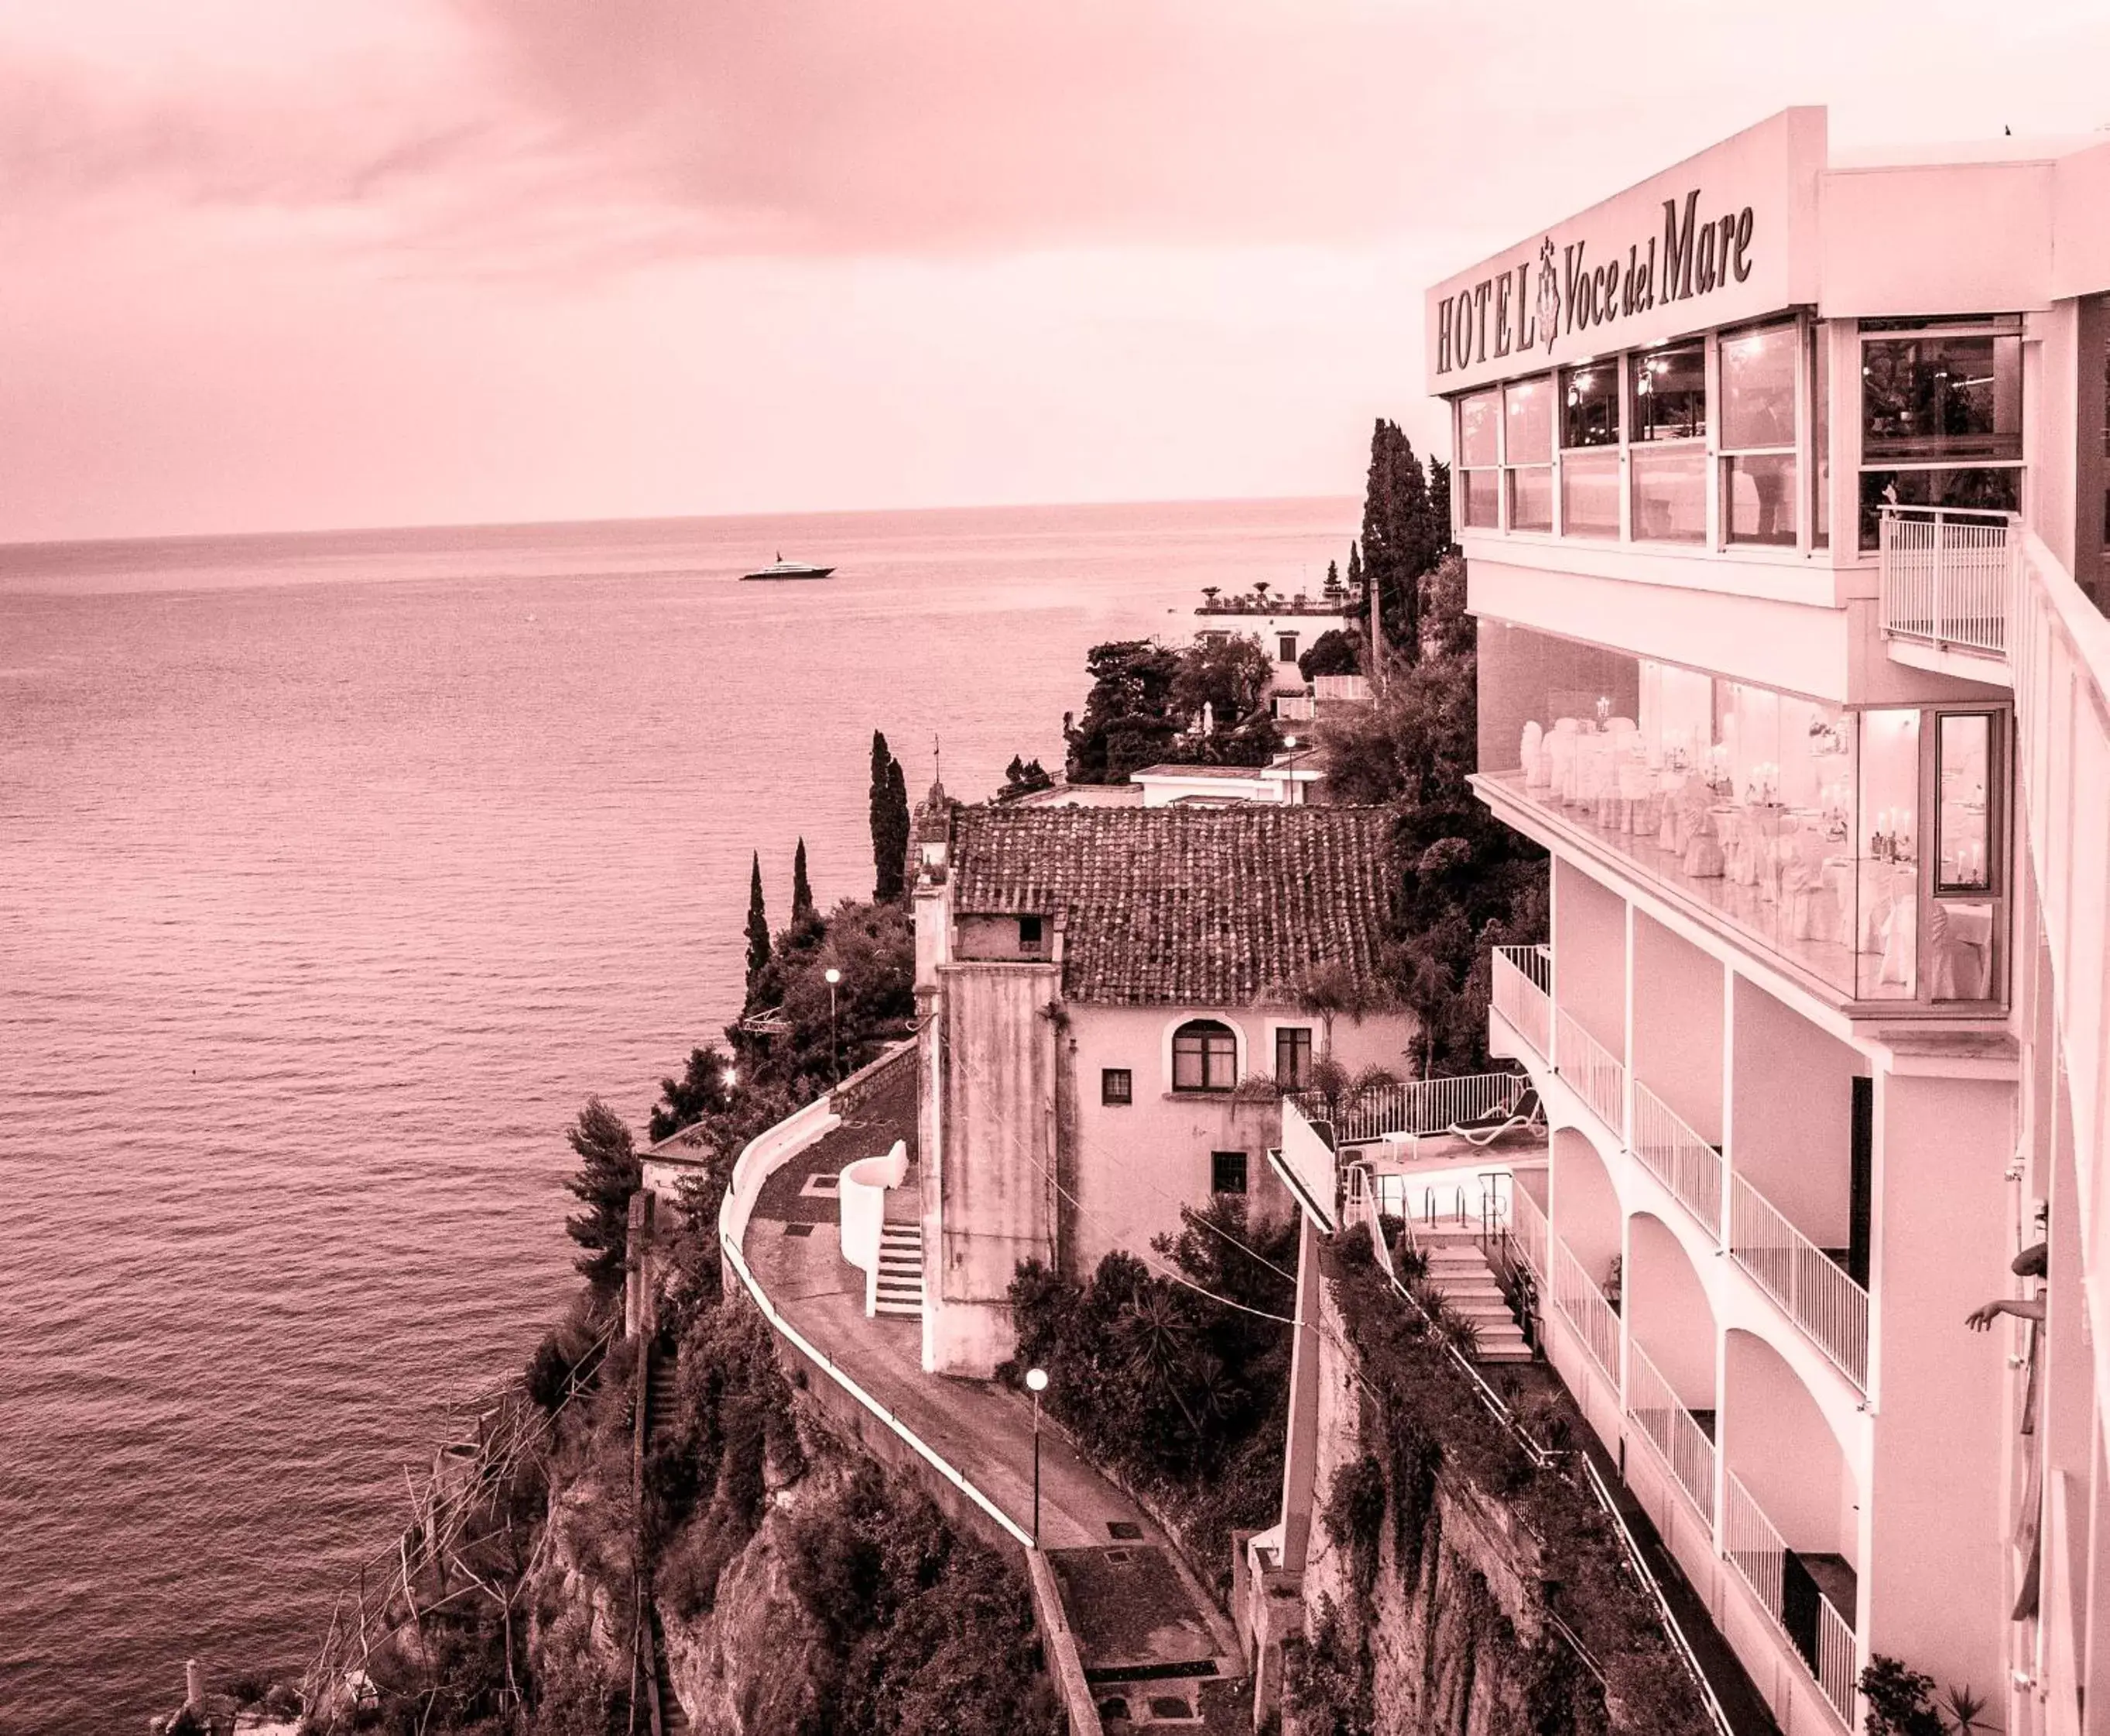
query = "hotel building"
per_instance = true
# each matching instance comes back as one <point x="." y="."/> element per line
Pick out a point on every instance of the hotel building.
<point x="1780" y="481"/>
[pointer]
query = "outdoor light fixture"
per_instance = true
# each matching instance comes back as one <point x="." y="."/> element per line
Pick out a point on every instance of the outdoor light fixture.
<point x="1036" y="1383"/>
<point x="835" y="1048"/>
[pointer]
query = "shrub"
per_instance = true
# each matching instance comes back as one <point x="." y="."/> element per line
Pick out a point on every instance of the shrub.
<point x="1354" y="1518"/>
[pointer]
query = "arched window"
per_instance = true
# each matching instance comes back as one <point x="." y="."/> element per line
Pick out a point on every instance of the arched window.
<point x="1205" y="1056"/>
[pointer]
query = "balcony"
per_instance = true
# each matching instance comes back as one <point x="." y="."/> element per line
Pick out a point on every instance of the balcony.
<point x="1685" y="1445"/>
<point x="1787" y="1586"/>
<point x="1948" y="578"/>
<point x="1679" y="1158"/>
<point x="1523" y="994"/>
<point x="1806" y="1281"/>
<point x="1582" y="1304"/>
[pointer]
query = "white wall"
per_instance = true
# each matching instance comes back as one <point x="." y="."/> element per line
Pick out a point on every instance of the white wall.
<point x="1678" y="1002"/>
<point x="1590" y="956"/>
<point x="1791" y="1114"/>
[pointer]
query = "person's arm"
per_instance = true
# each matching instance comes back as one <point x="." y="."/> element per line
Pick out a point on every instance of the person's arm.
<point x="1981" y="1319"/>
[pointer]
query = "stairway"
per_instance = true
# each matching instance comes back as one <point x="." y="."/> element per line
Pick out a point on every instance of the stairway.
<point x="898" y="1289"/>
<point x="660" y="1395"/>
<point x="1458" y="1270"/>
<point x="673" y="1719"/>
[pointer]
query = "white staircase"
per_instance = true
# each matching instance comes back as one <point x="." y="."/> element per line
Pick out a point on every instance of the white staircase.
<point x="898" y="1287"/>
<point x="1459" y="1271"/>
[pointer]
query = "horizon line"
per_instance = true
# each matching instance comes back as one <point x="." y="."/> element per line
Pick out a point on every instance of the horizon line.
<point x="15" y="546"/>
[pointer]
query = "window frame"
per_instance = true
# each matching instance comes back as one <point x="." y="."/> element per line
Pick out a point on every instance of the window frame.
<point x="1032" y="933"/>
<point x="1461" y="492"/>
<point x="1117" y="1097"/>
<point x="1794" y="331"/>
<point x="1877" y="331"/>
<point x="1513" y="468"/>
<point x="1298" y="1036"/>
<point x="1215" y="1042"/>
<point x="1219" y="1161"/>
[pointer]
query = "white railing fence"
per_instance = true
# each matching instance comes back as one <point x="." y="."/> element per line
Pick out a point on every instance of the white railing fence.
<point x="1686" y="1448"/>
<point x="1820" y="1297"/>
<point x="1529" y="1231"/>
<point x="1679" y="1158"/>
<point x="1417" y="1106"/>
<point x="1296" y="707"/>
<point x="1577" y="1297"/>
<point x="1349" y="687"/>
<point x="1523" y="993"/>
<point x="1759" y="1556"/>
<point x="1838" y="1659"/>
<point x="1589" y="1067"/>
<point x="1947" y="576"/>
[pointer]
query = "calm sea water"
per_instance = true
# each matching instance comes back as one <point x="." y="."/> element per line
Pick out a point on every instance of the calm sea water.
<point x="335" y="872"/>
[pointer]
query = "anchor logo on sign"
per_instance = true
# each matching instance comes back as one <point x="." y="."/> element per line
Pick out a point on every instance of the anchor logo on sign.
<point x="1549" y="293"/>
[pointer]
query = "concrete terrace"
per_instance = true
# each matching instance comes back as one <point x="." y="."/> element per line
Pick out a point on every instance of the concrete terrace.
<point x="1145" y="1630"/>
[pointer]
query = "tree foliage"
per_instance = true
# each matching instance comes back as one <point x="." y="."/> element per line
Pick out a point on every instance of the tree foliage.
<point x="1336" y="651"/>
<point x="1145" y="698"/>
<point x="1167" y="1384"/>
<point x="889" y="809"/>
<point x="703" y="1089"/>
<point x="609" y="1173"/>
<point x="1467" y="882"/>
<point x="1022" y="777"/>
<point x="802" y="888"/>
<point x="758" y="929"/>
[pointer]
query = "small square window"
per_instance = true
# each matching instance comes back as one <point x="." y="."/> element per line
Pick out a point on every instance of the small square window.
<point x="1029" y="933"/>
<point x="1116" y="1085"/>
<point x="1285" y="647"/>
<point x="1227" y="1172"/>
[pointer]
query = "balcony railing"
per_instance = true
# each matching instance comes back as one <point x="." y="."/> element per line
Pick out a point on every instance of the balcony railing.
<point x="1686" y="1449"/>
<point x="1528" y="1232"/>
<point x="1523" y="994"/>
<point x="1756" y="1551"/>
<point x="1296" y="707"/>
<point x="1948" y="576"/>
<point x="1807" y="1282"/>
<point x="1679" y="1159"/>
<point x="1418" y="1106"/>
<point x="1577" y="1297"/>
<point x="1588" y="1066"/>
<point x="1352" y="688"/>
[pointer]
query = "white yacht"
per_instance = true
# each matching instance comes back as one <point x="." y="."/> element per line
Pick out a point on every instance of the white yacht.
<point x="785" y="569"/>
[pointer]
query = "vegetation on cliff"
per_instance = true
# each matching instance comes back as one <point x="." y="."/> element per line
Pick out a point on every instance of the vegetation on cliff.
<point x="1588" y="1655"/>
<point x="1182" y="1395"/>
<point x="1146" y="700"/>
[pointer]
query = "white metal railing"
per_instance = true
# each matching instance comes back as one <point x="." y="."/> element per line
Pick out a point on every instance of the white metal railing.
<point x="1807" y="1282"/>
<point x="1418" y="1106"/>
<point x="1838" y="1658"/>
<point x="1528" y="1230"/>
<point x="1350" y="687"/>
<point x="1948" y="576"/>
<point x="1523" y="994"/>
<point x="1756" y="1551"/>
<point x="1679" y="1158"/>
<point x="1577" y="1297"/>
<point x="1296" y="707"/>
<point x="1589" y="1067"/>
<point x="1686" y="1448"/>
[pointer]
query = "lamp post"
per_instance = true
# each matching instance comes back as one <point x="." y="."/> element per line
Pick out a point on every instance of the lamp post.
<point x="835" y="1048"/>
<point x="1036" y="1383"/>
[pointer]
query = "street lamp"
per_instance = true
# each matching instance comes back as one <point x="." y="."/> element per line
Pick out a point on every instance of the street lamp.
<point x="835" y="1048"/>
<point x="1036" y="1383"/>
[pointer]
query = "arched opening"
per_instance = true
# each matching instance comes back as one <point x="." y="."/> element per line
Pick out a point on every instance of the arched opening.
<point x="1583" y="1276"/>
<point x="1790" y="1520"/>
<point x="1205" y="1056"/>
<point x="1670" y="1357"/>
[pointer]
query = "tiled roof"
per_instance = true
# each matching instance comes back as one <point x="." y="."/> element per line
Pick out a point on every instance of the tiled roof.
<point x="1184" y="907"/>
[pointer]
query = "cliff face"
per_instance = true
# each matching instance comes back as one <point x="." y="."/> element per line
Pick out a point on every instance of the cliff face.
<point x="1446" y="1601"/>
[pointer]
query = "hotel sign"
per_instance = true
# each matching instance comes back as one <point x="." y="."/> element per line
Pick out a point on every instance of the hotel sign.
<point x="1728" y="235"/>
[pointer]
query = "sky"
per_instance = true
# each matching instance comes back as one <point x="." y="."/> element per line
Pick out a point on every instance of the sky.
<point x="344" y="262"/>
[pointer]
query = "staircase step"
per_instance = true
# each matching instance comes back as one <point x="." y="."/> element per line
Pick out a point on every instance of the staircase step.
<point x="912" y="1310"/>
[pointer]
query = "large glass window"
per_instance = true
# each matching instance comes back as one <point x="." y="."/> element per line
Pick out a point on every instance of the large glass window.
<point x="1820" y="439"/>
<point x="1590" y="449"/>
<point x="1293" y="1056"/>
<point x="1941" y="419"/>
<point x="1963" y="840"/>
<point x="1528" y="452"/>
<point x="1667" y="420"/>
<point x="1758" y="436"/>
<point x="1205" y="1056"/>
<point x="1479" y="460"/>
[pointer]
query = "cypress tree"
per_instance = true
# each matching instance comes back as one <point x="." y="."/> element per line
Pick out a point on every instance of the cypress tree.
<point x="1399" y="543"/>
<point x="1333" y="592"/>
<point x="889" y="809"/>
<point x="1355" y="570"/>
<point x="802" y="889"/>
<point x="757" y="928"/>
<point x="1439" y="505"/>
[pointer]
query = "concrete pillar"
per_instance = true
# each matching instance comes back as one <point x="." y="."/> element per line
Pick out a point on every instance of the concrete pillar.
<point x="193" y="1686"/>
<point x="1301" y="1457"/>
<point x="637" y="1261"/>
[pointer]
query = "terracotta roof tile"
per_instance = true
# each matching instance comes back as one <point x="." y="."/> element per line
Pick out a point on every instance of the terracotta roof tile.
<point x="1184" y="907"/>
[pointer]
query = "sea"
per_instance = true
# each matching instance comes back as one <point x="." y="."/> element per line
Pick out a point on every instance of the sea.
<point x="336" y="871"/>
